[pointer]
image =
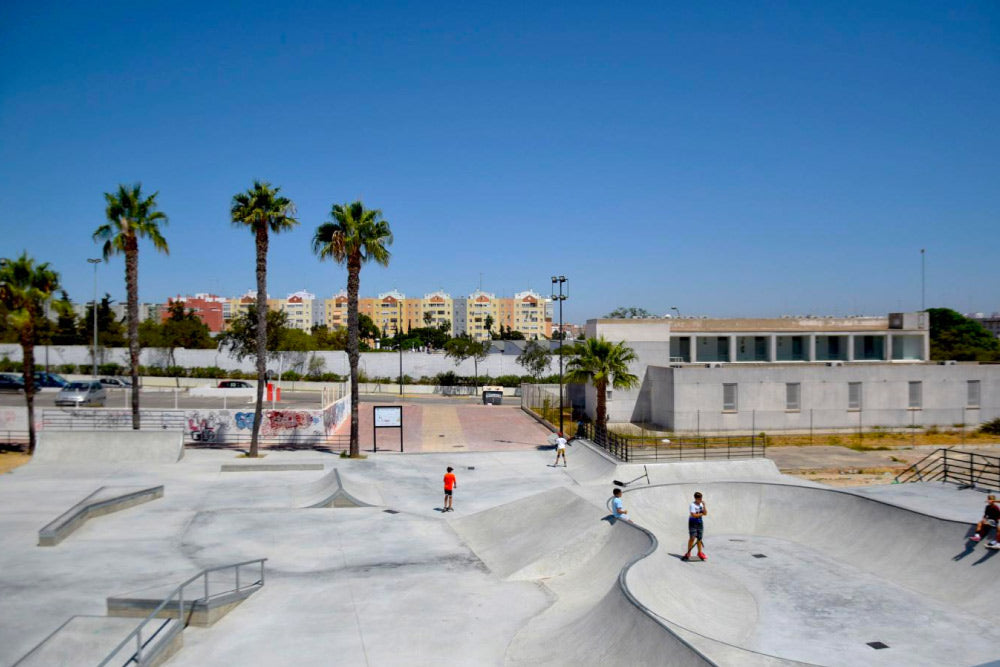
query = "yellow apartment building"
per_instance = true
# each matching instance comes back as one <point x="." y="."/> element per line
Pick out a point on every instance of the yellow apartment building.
<point x="335" y="311"/>
<point x="441" y="310"/>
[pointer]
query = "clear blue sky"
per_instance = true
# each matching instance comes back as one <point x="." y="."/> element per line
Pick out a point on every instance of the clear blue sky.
<point x="727" y="158"/>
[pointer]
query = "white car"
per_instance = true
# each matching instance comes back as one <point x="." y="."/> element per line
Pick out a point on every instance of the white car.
<point x="115" y="383"/>
<point x="77" y="394"/>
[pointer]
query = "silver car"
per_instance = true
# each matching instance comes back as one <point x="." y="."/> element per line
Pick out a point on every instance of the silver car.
<point x="77" y="394"/>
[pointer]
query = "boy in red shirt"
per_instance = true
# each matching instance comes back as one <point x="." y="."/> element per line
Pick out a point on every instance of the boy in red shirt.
<point x="450" y="483"/>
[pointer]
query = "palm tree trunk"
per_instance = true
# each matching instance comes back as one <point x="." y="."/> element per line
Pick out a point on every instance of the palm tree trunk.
<point x="28" y="366"/>
<point x="132" y="289"/>
<point x="258" y="412"/>
<point x="353" y="346"/>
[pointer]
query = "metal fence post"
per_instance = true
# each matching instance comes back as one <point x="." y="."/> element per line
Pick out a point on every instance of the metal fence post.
<point x="810" y="426"/>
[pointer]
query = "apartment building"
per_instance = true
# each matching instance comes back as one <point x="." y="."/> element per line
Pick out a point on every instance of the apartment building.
<point x="335" y="311"/>
<point x="209" y="308"/>
<point x="388" y="311"/>
<point x="437" y="309"/>
<point x="303" y="310"/>
<point x="527" y="312"/>
<point x="474" y="312"/>
<point x="529" y="315"/>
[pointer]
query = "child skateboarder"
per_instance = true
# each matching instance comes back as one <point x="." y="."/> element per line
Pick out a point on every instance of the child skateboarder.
<point x="991" y="519"/>
<point x="696" y="526"/>
<point x="450" y="483"/>
<point x="560" y="449"/>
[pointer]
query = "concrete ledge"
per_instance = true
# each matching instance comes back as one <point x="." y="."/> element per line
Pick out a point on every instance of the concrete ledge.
<point x="86" y="640"/>
<point x="105" y="500"/>
<point x="201" y="613"/>
<point x="269" y="467"/>
<point x="109" y="446"/>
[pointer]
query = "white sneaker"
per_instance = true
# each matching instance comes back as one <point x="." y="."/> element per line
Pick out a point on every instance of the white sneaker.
<point x="993" y="545"/>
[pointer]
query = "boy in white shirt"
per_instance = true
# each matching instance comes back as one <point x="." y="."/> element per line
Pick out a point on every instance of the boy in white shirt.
<point x="696" y="526"/>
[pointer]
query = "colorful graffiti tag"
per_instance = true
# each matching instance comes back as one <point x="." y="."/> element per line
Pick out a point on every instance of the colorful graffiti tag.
<point x="280" y="421"/>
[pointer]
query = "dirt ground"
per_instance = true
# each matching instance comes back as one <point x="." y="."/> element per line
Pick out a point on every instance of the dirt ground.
<point x="12" y="459"/>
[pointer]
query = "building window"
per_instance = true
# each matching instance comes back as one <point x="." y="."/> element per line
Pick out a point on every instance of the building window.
<point x="915" y="395"/>
<point x="793" y="395"/>
<point x="972" y="399"/>
<point x="729" y="397"/>
<point x="853" y="395"/>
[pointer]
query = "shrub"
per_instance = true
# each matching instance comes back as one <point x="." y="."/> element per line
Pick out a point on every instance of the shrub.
<point x="66" y="369"/>
<point x="291" y="376"/>
<point x="447" y="379"/>
<point x="208" y="372"/>
<point x="991" y="427"/>
<point x="110" y="369"/>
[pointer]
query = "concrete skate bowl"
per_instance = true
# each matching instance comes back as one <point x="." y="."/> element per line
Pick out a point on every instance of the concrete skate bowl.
<point x="566" y="544"/>
<point x="799" y="574"/>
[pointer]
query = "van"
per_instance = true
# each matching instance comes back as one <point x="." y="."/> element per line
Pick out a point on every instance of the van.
<point x="492" y="395"/>
<point x="80" y="393"/>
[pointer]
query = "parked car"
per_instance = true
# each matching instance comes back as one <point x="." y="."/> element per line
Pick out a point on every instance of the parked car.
<point x="43" y="379"/>
<point x="235" y="384"/>
<point x="11" y="382"/>
<point x="116" y="383"/>
<point x="77" y="394"/>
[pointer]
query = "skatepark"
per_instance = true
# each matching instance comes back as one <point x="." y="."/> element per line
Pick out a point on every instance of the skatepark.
<point x="362" y="567"/>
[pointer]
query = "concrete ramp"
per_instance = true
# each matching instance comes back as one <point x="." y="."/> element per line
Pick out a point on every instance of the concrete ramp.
<point x="335" y="489"/>
<point x="810" y="574"/>
<point x="109" y="446"/>
<point x="87" y="640"/>
<point x="568" y="545"/>
<point x="588" y="464"/>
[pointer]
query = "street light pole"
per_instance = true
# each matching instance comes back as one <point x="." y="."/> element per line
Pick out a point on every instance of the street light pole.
<point x="678" y="312"/>
<point x="923" y="282"/>
<point x="560" y="297"/>
<point x="95" y="262"/>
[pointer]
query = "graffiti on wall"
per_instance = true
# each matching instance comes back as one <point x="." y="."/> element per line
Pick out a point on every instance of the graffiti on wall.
<point x="334" y="414"/>
<point x="209" y="425"/>
<point x="276" y="422"/>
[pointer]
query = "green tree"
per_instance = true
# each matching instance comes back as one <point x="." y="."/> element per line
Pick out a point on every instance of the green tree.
<point x="355" y="235"/>
<point x="488" y="323"/>
<point x="263" y="211"/>
<point x="295" y="340"/>
<point x="428" y="318"/>
<point x="464" y="347"/>
<point x="131" y="216"/>
<point x="368" y="333"/>
<point x="602" y="364"/>
<point x="954" y="336"/>
<point x="241" y="337"/>
<point x="182" y="328"/>
<point x="535" y="358"/>
<point x="110" y="332"/>
<point x="25" y="287"/>
<point x="67" y="328"/>
<point x="630" y="312"/>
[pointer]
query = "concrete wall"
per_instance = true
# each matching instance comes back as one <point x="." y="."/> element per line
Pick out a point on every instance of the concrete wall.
<point x="690" y="398"/>
<point x="373" y="364"/>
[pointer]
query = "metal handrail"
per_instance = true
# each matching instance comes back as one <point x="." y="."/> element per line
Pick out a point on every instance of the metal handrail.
<point x="178" y="592"/>
<point x="951" y="465"/>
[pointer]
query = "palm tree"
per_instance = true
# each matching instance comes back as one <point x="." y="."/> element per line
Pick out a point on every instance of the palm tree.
<point x="263" y="211"/>
<point x="602" y="363"/>
<point x="131" y="217"/>
<point x="354" y="236"/>
<point x="24" y="289"/>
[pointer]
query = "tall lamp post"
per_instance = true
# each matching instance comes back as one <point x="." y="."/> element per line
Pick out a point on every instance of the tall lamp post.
<point x="678" y="312"/>
<point x="560" y="297"/>
<point x="95" y="262"/>
<point x="923" y="281"/>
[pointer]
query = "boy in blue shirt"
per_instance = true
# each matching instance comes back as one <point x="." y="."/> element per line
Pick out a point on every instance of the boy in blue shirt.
<point x="617" y="507"/>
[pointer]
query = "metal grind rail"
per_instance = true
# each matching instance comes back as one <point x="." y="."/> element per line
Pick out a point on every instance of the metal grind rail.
<point x="969" y="469"/>
<point x="632" y="449"/>
<point x="138" y="657"/>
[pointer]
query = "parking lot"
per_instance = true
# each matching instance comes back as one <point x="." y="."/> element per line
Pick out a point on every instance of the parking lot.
<point x="164" y="399"/>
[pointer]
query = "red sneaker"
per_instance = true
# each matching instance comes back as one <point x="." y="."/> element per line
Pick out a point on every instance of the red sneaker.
<point x="702" y="556"/>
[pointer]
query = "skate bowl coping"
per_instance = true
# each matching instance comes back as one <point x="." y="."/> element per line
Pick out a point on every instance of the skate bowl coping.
<point x="112" y="446"/>
<point x="830" y="555"/>
<point x="104" y="500"/>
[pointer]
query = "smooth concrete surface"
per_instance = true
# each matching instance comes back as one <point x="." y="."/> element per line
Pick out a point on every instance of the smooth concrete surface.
<point x="87" y="640"/>
<point x="840" y="570"/>
<point x="526" y="570"/>
<point x="105" y="500"/>
<point x="108" y="446"/>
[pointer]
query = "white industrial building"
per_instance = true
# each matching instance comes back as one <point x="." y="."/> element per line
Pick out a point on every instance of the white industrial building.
<point x="789" y="374"/>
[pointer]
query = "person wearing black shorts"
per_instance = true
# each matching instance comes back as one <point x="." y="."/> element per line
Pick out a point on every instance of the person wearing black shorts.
<point x="696" y="527"/>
